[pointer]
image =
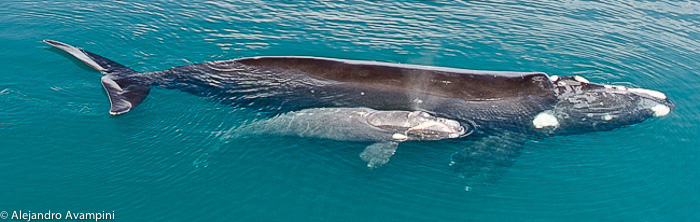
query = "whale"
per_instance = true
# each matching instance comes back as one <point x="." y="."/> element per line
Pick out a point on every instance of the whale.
<point x="504" y="109"/>
<point x="386" y="129"/>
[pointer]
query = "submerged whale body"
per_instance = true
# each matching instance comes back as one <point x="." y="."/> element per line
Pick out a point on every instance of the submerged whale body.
<point x="508" y="106"/>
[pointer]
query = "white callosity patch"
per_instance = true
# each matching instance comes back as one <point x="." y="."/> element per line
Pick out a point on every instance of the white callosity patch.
<point x="660" y="110"/>
<point x="429" y="124"/>
<point x="648" y="92"/>
<point x="554" y="78"/>
<point x="399" y="137"/>
<point x="607" y="117"/>
<point x="545" y="119"/>
<point x="581" y="79"/>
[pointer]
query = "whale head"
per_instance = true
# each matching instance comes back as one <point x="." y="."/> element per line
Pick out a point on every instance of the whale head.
<point x="416" y="125"/>
<point x="584" y="106"/>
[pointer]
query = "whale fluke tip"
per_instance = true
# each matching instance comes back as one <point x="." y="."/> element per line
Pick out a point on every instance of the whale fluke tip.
<point x="125" y="88"/>
<point x="53" y="42"/>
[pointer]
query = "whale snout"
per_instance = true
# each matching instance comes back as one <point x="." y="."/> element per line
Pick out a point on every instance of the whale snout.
<point x="437" y="129"/>
<point x="456" y="129"/>
<point x="662" y="107"/>
<point x="415" y="125"/>
<point x="654" y="101"/>
<point x="585" y="107"/>
<point x="660" y="110"/>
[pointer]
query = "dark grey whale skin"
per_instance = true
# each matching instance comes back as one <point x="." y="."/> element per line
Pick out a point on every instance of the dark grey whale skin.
<point x="489" y="101"/>
<point x="280" y="84"/>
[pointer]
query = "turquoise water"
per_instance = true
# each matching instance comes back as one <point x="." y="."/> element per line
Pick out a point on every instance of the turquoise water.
<point x="60" y="150"/>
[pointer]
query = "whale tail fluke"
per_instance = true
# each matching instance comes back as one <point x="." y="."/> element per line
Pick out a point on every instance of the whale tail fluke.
<point x="125" y="87"/>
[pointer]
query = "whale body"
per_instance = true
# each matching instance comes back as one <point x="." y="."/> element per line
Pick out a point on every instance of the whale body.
<point x="385" y="128"/>
<point x="495" y="104"/>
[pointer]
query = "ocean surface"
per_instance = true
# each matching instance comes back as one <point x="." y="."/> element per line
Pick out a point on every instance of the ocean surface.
<point x="167" y="160"/>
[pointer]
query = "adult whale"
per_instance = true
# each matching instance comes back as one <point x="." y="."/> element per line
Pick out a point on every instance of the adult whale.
<point x="503" y="108"/>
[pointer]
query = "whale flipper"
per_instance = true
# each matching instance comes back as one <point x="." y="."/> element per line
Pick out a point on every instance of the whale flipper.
<point x="379" y="153"/>
<point x="489" y="156"/>
<point x="125" y="87"/>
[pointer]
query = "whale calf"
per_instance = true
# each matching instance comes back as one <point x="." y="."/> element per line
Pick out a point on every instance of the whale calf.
<point x="386" y="128"/>
<point x="505" y="108"/>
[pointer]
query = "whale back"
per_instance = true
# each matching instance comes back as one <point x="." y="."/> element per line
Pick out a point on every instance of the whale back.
<point x="438" y="81"/>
